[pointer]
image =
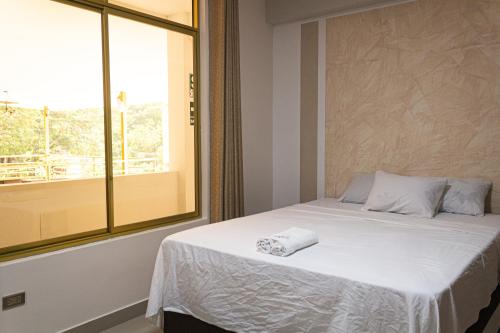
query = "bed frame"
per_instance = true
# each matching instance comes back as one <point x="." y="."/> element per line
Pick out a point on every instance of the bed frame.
<point x="181" y="323"/>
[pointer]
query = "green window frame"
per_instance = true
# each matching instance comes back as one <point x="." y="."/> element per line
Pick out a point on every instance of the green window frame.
<point x="105" y="9"/>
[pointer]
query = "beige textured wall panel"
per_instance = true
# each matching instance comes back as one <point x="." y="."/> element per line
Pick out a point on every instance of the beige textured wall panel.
<point x="415" y="89"/>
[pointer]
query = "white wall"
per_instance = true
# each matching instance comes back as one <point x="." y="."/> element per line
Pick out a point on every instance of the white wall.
<point x="256" y="43"/>
<point x="69" y="287"/>
<point x="75" y="285"/>
<point x="286" y="114"/>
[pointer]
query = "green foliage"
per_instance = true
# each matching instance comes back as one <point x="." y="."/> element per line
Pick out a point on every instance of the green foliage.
<point x="21" y="132"/>
<point x="144" y="130"/>
<point x="81" y="132"/>
<point x="77" y="133"/>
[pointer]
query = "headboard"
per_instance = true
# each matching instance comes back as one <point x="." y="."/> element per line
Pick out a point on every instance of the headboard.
<point x="415" y="89"/>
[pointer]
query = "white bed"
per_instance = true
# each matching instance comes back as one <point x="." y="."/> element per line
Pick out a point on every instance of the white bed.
<point x="371" y="272"/>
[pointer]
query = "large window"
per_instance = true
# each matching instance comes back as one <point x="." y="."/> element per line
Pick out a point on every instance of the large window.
<point x="98" y="129"/>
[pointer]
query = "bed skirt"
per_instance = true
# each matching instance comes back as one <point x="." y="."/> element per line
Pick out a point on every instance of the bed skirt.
<point x="181" y="323"/>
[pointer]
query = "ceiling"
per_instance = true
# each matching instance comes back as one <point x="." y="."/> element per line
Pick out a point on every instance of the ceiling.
<point x="283" y="11"/>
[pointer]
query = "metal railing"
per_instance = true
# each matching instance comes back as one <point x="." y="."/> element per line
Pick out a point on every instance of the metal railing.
<point x="35" y="168"/>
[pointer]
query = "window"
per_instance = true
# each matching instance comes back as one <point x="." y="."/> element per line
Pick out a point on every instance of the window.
<point x="180" y="11"/>
<point x="98" y="130"/>
<point x="151" y="68"/>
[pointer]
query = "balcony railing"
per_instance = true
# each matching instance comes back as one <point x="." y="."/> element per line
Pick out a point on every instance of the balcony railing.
<point x="36" y="168"/>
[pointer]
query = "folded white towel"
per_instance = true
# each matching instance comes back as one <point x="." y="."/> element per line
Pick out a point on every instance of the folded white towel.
<point x="287" y="242"/>
<point x="264" y="245"/>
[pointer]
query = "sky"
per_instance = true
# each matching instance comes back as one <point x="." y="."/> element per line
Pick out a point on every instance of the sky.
<point x="51" y="55"/>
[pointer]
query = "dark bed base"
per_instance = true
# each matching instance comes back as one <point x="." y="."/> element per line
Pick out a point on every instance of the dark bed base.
<point x="180" y="323"/>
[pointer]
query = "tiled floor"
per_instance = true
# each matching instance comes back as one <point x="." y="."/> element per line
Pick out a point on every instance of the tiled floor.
<point x="136" y="325"/>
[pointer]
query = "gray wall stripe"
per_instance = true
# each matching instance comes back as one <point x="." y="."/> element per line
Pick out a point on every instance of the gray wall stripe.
<point x="309" y="111"/>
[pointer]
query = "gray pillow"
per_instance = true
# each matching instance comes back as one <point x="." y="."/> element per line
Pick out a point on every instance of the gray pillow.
<point x="359" y="188"/>
<point x="466" y="196"/>
<point x="418" y="196"/>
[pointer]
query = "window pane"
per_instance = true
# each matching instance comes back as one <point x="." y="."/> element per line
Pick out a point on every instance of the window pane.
<point x="153" y="137"/>
<point x="180" y="11"/>
<point x="51" y="129"/>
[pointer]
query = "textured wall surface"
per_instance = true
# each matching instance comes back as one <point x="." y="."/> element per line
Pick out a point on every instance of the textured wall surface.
<point x="415" y="89"/>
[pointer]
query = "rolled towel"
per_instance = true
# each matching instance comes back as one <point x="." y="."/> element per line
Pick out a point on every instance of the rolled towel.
<point x="287" y="242"/>
<point x="264" y="245"/>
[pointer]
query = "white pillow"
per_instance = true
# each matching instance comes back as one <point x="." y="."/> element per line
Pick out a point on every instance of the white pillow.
<point x="466" y="196"/>
<point x="418" y="196"/>
<point x="359" y="188"/>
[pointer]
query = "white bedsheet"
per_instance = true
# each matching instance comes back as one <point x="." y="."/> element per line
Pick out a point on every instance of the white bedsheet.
<point x="371" y="272"/>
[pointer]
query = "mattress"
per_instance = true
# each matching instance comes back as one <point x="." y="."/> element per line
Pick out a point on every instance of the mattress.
<point x="370" y="272"/>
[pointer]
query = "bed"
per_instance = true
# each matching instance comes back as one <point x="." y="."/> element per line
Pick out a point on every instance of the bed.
<point x="371" y="272"/>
